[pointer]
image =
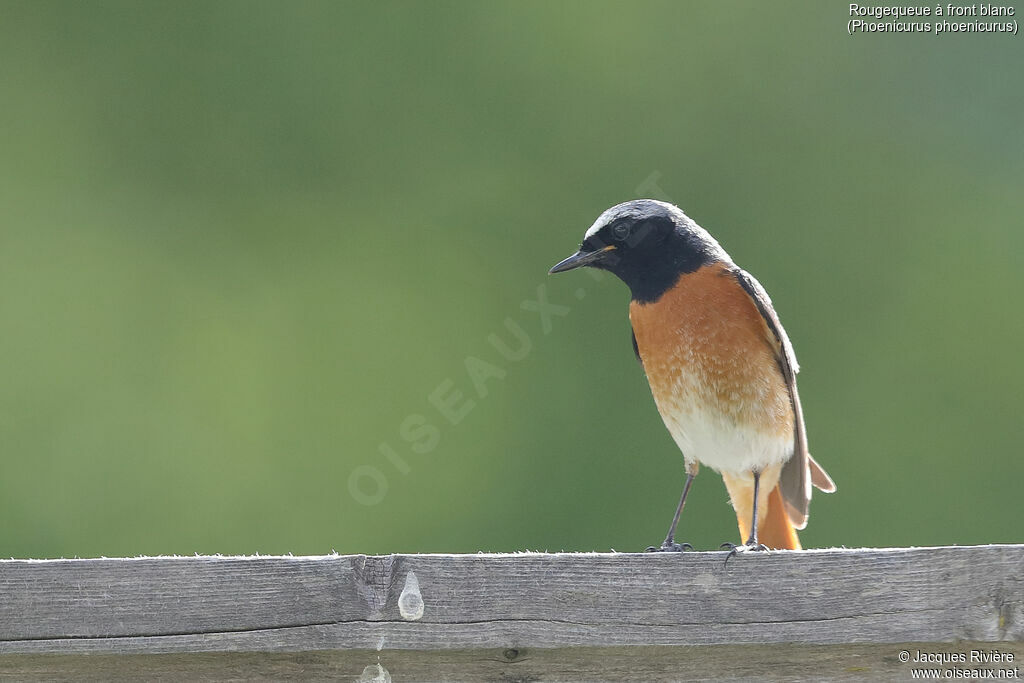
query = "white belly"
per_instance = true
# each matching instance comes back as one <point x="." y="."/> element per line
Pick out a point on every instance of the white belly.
<point x="719" y="440"/>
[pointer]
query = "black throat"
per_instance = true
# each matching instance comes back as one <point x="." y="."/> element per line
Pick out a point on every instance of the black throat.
<point x="649" y="273"/>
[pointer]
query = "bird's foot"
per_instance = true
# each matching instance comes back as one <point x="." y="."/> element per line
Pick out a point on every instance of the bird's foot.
<point x="669" y="547"/>
<point x="748" y="547"/>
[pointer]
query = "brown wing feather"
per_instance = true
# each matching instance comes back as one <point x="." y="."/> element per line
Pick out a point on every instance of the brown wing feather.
<point x="801" y="470"/>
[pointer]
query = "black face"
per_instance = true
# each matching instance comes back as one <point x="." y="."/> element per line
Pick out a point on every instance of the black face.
<point x="635" y="240"/>
<point x="648" y="245"/>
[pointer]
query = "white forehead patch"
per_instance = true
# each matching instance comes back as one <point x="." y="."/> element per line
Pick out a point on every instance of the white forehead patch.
<point x="635" y="210"/>
<point x="601" y="221"/>
<point x="592" y="230"/>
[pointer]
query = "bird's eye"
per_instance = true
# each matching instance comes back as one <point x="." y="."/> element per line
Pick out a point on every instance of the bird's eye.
<point x="621" y="231"/>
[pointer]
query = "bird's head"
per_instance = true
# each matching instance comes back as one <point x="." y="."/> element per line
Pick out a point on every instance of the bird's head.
<point x="647" y="244"/>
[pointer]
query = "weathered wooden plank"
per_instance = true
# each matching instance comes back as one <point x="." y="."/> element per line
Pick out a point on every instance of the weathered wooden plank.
<point x="558" y="607"/>
<point x="862" y="662"/>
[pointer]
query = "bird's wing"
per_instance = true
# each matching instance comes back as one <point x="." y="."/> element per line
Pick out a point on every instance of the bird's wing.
<point x="801" y="470"/>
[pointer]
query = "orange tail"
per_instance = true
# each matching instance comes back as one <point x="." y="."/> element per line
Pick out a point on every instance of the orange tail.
<point x="775" y="530"/>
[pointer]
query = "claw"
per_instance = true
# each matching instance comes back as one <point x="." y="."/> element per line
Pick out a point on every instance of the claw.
<point x="669" y="548"/>
<point x="745" y="548"/>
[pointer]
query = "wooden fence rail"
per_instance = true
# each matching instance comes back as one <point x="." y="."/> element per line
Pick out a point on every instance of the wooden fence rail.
<point x="819" y="614"/>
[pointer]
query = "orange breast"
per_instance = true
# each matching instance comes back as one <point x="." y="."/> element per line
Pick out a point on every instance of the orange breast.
<point x="707" y="351"/>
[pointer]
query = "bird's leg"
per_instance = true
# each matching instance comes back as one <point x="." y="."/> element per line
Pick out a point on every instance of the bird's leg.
<point x="669" y="544"/>
<point x="751" y="543"/>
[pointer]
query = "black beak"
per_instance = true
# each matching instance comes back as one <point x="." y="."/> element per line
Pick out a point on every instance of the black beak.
<point x="581" y="258"/>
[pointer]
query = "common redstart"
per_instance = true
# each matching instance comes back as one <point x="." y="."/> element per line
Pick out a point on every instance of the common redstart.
<point x="719" y="363"/>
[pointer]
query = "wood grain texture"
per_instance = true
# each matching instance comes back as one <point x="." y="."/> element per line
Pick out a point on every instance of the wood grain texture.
<point x="506" y="617"/>
<point x="639" y="663"/>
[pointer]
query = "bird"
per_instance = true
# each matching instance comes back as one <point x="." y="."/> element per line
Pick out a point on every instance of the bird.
<point x="719" y="364"/>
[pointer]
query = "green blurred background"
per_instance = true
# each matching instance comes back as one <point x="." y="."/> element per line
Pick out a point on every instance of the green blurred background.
<point x="242" y="243"/>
